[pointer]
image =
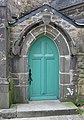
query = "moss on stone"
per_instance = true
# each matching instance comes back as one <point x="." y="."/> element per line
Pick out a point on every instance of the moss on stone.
<point x="81" y="75"/>
<point x="11" y="91"/>
<point x="69" y="104"/>
<point x="81" y="82"/>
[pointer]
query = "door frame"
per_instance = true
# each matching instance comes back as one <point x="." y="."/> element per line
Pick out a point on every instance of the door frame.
<point x="57" y="51"/>
<point x="25" y="42"/>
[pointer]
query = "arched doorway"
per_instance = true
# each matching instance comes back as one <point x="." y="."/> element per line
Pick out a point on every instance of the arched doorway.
<point x="43" y="67"/>
<point x="61" y="40"/>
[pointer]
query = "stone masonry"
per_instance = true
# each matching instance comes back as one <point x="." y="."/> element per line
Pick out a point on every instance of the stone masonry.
<point x="17" y="37"/>
<point x="42" y="23"/>
<point x="4" y="85"/>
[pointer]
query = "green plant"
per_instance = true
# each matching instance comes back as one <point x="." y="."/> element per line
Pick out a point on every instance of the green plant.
<point x="80" y="111"/>
<point x="11" y="91"/>
<point x="79" y="101"/>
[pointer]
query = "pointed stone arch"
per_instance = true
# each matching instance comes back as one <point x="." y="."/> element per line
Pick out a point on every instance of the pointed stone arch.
<point x="63" y="42"/>
<point x="29" y="34"/>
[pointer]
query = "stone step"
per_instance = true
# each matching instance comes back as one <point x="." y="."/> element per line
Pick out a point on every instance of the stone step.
<point x="45" y="108"/>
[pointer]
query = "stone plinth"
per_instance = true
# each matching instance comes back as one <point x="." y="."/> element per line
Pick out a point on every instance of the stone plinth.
<point x="4" y="95"/>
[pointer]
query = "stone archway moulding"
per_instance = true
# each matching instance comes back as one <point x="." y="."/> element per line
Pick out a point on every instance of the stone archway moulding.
<point x="45" y="24"/>
<point x="63" y="45"/>
<point x="49" y="31"/>
<point x="18" y="45"/>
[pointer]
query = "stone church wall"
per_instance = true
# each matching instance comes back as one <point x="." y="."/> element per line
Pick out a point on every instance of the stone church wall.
<point x="15" y="62"/>
<point x="19" y="71"/>
<point x="4" y="85"/>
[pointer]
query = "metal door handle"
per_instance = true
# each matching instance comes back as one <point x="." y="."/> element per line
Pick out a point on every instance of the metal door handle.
<point x="30" y="77"/>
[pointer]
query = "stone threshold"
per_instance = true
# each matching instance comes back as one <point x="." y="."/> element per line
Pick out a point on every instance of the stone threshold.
<point x="39" y="109"/>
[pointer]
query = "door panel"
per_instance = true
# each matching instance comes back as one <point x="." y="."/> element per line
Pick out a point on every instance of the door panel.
<point x="36" y="67"/>
<point x="50" y="78"/>
<point x="43" y="61"/>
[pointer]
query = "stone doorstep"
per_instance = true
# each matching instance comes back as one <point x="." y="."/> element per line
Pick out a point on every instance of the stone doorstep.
<point x="9" y="113"/>
<point x="45" y="113"/>
<point x="40" y="109"/>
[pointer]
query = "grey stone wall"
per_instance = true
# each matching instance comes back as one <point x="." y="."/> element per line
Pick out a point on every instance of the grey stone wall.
<point x="4" y="86"/>
<point x="69" y="45"/>
<point x="80" y="67"/>
<point x="16" y="41"/>
<point x="19" y="8"/>
<point x="3" y="2"/>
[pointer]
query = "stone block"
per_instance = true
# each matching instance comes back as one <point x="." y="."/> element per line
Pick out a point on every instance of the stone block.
<point x="38" y="31"/>
<point x="2" y="54"/>
<point x="29" y="38"/>
<point x="2" y="16"/>
<point x="81" y="87"/>
<point x="64" y="78"/>
<point x="46" y="19"/>
<point x="16" y="81"/>
<point x="25" y="48"/>
<point x="15" y="75"/>
<point x="4" y="94"/>
<point x="81" y="71"/>
<point x="80" y="58"/>
<point x="2" y="2"/>
<point x="66" y="91"/>
<point x="21" y="95"/>
<point x="2" y="29"/>
<point x="9" y="113"/>
<point x="81" y="75"/>
<point x="20" y="78"/>
<point x="73" y="62"/>
<point x="3" y="47"/>
<point x="0" y="113"/>
<point x="26" y="64"/>
<point x="20" y="65"/>
<point x="50" y="35"/>
<point x="52" y="30"/>
<point x="80" y="64"/>
<point x="61" y="96"/>
<point x="4" y="100"/>
<point x="3" y="69"/>
<point x="23" y="79"/>
<point x="65" y="64"/>
<point x="63" y="48"/>
<point x="15" y="36"/>
<point x="4" y="88"/>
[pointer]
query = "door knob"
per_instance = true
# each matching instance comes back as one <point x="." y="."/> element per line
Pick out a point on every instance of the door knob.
<point x="30" y="77"/>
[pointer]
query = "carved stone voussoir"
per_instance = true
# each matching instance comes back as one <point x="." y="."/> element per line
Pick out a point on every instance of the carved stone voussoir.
<point x="46" y="19"/>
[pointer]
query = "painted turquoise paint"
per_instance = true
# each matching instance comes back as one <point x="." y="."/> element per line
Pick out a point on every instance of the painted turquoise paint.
<point x="43" y="60"/>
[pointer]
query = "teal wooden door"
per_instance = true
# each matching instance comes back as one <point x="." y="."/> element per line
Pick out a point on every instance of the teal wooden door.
<point x="43" y="61"/>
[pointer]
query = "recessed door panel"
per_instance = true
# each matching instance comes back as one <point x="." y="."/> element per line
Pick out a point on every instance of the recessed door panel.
<point x="43" y="60"/>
